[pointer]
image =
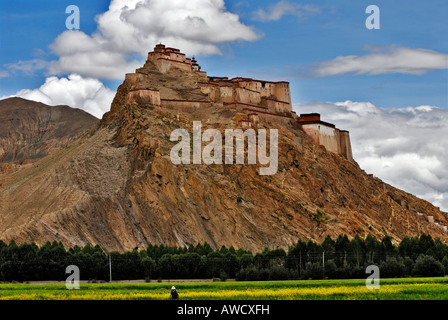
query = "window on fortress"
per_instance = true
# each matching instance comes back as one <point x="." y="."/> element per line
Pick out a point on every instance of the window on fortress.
<point x="263" y="84"/>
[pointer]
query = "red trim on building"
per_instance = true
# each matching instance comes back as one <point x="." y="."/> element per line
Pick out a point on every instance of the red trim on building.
<point x="174" y="100"/>
<point x="245" y="104"/>
<point x="317" y="122"/>
<point x="272" y="114"/>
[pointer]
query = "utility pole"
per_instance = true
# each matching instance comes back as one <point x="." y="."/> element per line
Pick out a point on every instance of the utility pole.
<point x="110" y="269"/>
<point x="323" y="264"/>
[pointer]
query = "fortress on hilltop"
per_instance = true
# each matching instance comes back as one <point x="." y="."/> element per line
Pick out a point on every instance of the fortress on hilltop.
<point x="326" y="134"/>
<point x="169" y="79"/>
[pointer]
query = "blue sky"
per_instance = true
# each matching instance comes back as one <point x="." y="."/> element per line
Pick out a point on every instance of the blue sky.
<point x="26" y="30"/>
<point x="340" y="31"/>
<point x="388" y="87"/>
<point x="287" y="44"/>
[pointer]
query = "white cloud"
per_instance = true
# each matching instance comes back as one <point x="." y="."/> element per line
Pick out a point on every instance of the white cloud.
<point x="75" y="91"/>
<point x="405" y="147"/>
<point x="131" y="28"/>
<point x="78" y="53"/>
<point x="277" y="11"/>
<point x="28" y="67"/>
<point x="4" y="74"/>
<point x="383" y="60"/>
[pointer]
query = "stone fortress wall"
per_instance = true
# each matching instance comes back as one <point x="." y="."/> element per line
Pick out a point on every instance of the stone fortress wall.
<point x="167" y="58"/>
<point x="326" y="134"/>
<point x="259" y="99"/>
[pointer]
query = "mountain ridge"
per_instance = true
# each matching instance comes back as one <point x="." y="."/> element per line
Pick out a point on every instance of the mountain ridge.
<point x="30" y="130"/>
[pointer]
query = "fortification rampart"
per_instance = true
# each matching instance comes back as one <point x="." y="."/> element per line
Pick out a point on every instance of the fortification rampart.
<point x="185" y="106"/>
<point x="144" y="96"/>
<point x="326" y="135"/>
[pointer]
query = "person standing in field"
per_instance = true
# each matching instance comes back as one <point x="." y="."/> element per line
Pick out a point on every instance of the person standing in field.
<point x="174" y="293"/>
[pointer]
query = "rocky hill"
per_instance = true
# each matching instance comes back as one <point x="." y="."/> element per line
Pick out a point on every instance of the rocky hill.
<point x="30" y="130"/>
<point x="116" y="186"/>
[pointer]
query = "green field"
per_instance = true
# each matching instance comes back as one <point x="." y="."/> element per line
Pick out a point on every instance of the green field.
<point x="390" y="289"/>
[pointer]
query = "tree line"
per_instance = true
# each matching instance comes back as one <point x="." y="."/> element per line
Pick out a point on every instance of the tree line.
<point x="331" y="259"/>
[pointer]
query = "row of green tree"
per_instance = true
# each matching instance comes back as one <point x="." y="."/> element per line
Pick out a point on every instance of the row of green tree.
<point x="333" y="258"/>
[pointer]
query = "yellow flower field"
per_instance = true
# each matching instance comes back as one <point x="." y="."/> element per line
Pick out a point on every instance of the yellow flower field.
<point x="390" y="289"/>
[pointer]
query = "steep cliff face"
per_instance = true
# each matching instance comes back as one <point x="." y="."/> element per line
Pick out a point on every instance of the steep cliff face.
<point x="116" y="186"/>
<point x="30" y="130"/>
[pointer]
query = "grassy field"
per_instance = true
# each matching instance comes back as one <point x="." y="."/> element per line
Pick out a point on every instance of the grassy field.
<point x="390" y="289"/>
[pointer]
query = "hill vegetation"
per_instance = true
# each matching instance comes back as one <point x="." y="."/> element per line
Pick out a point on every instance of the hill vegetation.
<point x="333" y="259"/>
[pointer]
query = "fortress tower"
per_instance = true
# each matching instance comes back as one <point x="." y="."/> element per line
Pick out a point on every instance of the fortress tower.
<point x="167" y="58"/>
<point x="326" y="134"/>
